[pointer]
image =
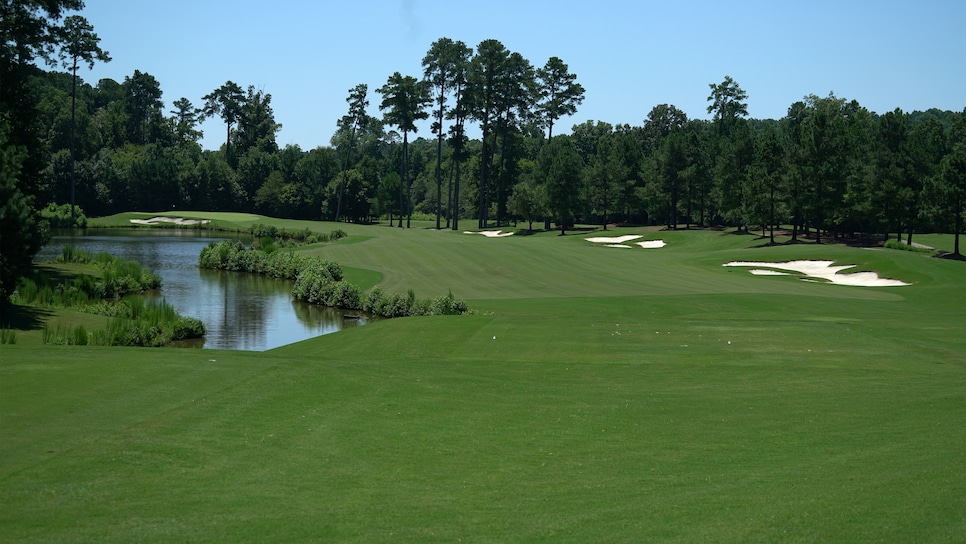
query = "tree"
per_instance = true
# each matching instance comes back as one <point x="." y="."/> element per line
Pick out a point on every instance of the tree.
<point x="661" y="121"/>
<point x="560" y="164"/>
<point x="629" y="148"/>
<point x="80" y="44"/>
<point x="444" y="66"/>
<point x="29" y="30"/>
<point x="697" y="176"/>
<point x="798" y="168"/>
<point x="527" y="200"/>
<point x="826" y="154"/>
<point x="559" y="93"/>
<point x="486" y="70"/>
<point x="458" y="143"/>
<point x="764" y="179"/>
<point x="926" y="147"/>
<point x="669" y="164"/>
<point x="514" y="101"/>
<point x="143" y="102"/>
<point x="892" y="135"/>
<point x="666" y="160"/>
<point x="225" y="102"/>
<point x="254" y="167"/>
<point x="734" y="145"/>
<point x="186" y="118"/>
<point x="356" y="117"/>
<point x="946" y="192"/>
<point x="22" y="233"/>
<point x="406" y="99"/>
<point x="604" y="174"/>
<point x="727" y="103"/>
<point x="256" y="123"/>
<point x="311" y="173"/>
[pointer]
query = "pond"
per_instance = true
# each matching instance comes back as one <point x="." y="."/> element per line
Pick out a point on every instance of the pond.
<point x="241" y="311"/>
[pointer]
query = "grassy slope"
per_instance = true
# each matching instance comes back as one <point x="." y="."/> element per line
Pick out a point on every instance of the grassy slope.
<point x="595" y="396"/>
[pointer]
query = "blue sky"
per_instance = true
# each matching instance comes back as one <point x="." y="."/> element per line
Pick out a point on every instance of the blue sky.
<point x="629" y="55"/>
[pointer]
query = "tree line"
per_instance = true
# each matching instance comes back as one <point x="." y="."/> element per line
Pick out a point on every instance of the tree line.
<point x="829" y="167"/>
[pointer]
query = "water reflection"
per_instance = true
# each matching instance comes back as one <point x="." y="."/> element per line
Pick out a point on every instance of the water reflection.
<point x="241" y="311"/>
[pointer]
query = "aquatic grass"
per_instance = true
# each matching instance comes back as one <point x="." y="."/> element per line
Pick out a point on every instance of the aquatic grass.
<point x="138" y="322"/>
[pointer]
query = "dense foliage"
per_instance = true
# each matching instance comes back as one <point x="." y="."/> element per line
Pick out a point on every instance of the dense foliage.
<point x="64" y="217"/>
<point x="318" y="281"/>
<point x="829" y="167"/>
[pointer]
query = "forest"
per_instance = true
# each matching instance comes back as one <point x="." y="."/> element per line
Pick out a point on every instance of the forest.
<point x="829" y="168"/>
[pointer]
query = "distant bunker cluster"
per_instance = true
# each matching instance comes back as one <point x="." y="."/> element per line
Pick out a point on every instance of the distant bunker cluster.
<point x="818" y="271"/>
<point x="174" y="220"/>
<point x="621" y="241"/>
<point x="490" y="233"/>
<point x="808" y="270"/>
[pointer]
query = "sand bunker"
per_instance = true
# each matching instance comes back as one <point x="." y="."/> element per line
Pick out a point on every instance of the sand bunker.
<point x="614" y="239"/>
<point x="174" y="220"/>
<point x="821" y="270"/>
<point x="490" y="233"/>
<point x="620" y="241"/>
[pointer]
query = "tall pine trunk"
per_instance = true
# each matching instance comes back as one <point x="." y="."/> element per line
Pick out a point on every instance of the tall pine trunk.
<point x="439" y="175"/>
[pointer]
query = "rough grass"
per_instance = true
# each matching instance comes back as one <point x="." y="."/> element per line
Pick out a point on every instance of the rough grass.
<point x="598" y="394"/>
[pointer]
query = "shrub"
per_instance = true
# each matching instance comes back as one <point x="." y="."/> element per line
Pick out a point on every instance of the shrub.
<point x="895" y="244"/>
<point x="59" y="217"/>
<point x="395" y="305"/>
<point x="346" y="296"/>
<point x="188" y="327"/>
<point x="373" y="302"/>
<point x="447" y="305"/>
<point x="318" y="281"/>
<point x="232" y="256"/>
<point x="264" y="231"/>
<point x="266" y="244"/>
<point x="285" y="238"/>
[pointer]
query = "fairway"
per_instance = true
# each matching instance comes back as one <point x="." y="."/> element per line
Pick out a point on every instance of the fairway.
<point x="595" y="394"/>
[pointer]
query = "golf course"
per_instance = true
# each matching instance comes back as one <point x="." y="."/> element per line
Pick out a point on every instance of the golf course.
<point x="632" y="391"/>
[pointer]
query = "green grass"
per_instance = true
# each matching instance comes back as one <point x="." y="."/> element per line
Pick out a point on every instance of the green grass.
<point x="945" y="242"/>
<point x="597" y="394"/>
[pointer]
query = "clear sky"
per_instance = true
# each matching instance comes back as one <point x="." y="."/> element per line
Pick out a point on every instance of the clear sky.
<point x="629" y="55"/>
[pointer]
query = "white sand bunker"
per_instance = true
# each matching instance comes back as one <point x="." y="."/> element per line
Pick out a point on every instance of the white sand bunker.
<point x="490" y="233"/>
<point x="820" y="269"/>
<point x="621" y="241"/>
<point x="174" y="220"/>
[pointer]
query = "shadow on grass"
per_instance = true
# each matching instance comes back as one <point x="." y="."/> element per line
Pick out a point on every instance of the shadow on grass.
<point x="54" y="274"/>
<point x="23" y="318"/>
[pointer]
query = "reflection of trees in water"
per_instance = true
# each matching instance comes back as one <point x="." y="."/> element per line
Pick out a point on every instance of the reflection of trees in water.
<point x="241" y="311"/>
<point x="324" y="320"/>
<point x="246" y="306"/>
